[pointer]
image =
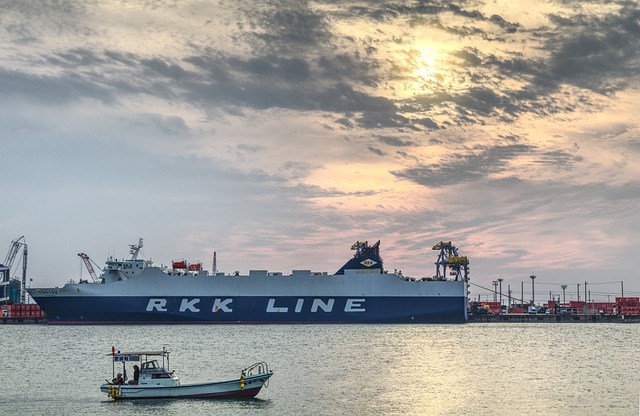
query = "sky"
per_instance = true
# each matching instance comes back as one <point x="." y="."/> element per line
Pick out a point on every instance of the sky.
<point x="279" y="133"/>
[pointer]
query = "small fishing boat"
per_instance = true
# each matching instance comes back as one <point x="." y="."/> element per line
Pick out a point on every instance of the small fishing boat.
<point x="153" y="381"/>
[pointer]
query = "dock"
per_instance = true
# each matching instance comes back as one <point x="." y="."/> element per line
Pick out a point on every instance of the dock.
<point x="523" y="317"/>
<point x="23" y="321"/>
<point x="531" y="318"/>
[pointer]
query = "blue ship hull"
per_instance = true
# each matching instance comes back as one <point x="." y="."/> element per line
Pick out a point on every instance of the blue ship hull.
<point x="253" y="310"/>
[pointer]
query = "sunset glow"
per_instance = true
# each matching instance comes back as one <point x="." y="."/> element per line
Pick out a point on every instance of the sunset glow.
<point x="509" y="128"/>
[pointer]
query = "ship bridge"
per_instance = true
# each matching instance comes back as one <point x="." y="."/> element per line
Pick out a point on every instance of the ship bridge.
<point x="116" y="270"/>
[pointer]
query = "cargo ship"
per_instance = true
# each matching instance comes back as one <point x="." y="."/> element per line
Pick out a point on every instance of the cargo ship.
<point x="134" y="291"/>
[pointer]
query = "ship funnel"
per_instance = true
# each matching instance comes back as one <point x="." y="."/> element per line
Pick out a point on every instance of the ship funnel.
<point x="366" y="257"/>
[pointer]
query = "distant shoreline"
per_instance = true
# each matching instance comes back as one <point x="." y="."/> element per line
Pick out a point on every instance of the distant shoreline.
<point x="523" y="317"/>
<point x="472" y="319"/>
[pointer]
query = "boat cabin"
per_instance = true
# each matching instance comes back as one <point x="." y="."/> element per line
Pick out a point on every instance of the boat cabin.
<point x="151" y="371"/>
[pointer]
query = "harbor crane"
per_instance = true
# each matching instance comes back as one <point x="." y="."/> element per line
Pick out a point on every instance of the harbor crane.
<point x="449" y="257"/>
<point x="87" y="262"/>
<point x="14" y="249"/>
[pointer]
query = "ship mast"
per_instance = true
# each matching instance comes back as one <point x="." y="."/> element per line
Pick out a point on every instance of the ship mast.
<point x="135" y="249"/>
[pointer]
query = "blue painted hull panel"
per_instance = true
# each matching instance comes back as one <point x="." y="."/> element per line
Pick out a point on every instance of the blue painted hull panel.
<point x="251" y="309"/>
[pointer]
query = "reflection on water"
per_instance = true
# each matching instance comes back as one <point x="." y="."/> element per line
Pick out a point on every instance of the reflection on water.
<point x="480" y="369"/>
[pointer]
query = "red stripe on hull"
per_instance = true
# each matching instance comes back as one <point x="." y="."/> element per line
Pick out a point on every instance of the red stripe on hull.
<point x="240" y="394"/>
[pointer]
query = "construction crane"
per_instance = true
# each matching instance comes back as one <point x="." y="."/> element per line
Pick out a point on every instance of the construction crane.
<point x="14" y="249"/>
<point x="87" y="262"/>
<point x="448" y="257"/>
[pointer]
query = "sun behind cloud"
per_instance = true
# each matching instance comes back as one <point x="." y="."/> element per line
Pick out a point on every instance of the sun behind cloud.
<point x="428" y="65"/>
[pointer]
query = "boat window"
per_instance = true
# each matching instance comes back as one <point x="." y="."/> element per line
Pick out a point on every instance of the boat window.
<point x="149" y="365"/>
<point x="161" y="375"/>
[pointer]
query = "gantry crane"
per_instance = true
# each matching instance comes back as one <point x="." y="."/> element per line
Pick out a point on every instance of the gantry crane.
<point x="448" y="257"/>
<point x="14" y="249"/>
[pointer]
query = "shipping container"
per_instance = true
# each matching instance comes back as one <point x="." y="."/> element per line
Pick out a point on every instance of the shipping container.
<point x="18" y="310"/>
<point x="494" y="307"/>
<point x="628" y="310"/>
<point x="628" y="301"/>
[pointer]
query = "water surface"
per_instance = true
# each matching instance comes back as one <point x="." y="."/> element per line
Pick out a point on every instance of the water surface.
<point x="478" y="368"/>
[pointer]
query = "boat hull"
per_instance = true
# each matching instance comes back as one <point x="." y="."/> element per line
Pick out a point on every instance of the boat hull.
<point x="252" y="310"/>
<point x="217" y="390"/>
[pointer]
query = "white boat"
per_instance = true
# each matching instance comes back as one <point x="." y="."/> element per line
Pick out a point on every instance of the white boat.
<point x="154" y="381"/>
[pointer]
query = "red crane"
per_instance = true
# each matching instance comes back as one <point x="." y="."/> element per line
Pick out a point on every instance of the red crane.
<point x="87" y="262"/>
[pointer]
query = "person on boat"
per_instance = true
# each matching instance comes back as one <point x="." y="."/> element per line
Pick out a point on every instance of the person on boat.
<point x="118" y="379"/>
<point x="136" y="374"/>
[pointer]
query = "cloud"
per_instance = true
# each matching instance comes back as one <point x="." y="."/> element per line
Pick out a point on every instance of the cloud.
<point x="396" y="141"/>
<point x="508" y="128"/>
<point x="376" y="151"/>
<point x="286" y="29"/>
<point x="459" y="167"/>
<point x="598" y="52"/>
